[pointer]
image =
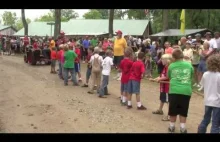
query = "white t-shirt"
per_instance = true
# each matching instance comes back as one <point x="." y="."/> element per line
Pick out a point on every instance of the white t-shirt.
<point x="96" y="56"/>
<point x="106" y="64"/>
<point x="218" y="42"/>
<point x="211" y="83"/>
<point x="212" y="44"/>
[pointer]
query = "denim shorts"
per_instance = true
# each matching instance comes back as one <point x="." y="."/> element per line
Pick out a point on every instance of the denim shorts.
<point x="88" y="73"/>
<point x="164" y="97"/>
<point x="53" y="63"/>
<point x="202" y="67"/>
<point x="124" y="87"/>
<point x="77" y="67"/>
<point x="133" y="87"/>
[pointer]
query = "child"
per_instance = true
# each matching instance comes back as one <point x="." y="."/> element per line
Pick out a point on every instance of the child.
<point x="148" y="64"/>
<point x="59" y="57"/>
<point x="180" y="74"/>
<point x="53" y="56"/>
<point x="136" y="73"/>
<point x="77" y="62"/>
<point x="125" y="67"/>
<point x="89" y="67"/>
<point x="164" y="87"/>
<point x="96" y="62"/>
<point x="69" y="58"/>
<point x="106" y="65"/>
<point x="211" y="83"/>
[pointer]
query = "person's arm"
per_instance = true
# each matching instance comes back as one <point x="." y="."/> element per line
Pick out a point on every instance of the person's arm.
<point x="192" y="73"/>
<point x="125" y="44"/>
<point x="169" y="72"/>
<point x="142" y="71"/>
<point x="75" y="55"/>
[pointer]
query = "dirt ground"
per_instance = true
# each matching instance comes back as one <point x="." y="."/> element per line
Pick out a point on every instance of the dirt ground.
<point x="34" y="101"/>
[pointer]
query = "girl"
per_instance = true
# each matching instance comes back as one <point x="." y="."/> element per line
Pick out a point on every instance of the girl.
<point x="188" y="53"/>
<point x="77" y="62"/>
<point x="164" y="85"/>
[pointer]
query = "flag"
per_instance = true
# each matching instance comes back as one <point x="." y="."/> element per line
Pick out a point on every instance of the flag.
<point x="146" y="11"/>
<point x="182" y="20"/>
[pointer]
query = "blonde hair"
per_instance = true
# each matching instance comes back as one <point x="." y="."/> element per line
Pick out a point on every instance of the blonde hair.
<point x="61" y="46"/>
<point x="167" y="58"/>
<point x="66" y="47"/>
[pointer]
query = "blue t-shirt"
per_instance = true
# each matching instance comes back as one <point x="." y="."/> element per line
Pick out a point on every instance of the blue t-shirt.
<point x="86" y="43"/>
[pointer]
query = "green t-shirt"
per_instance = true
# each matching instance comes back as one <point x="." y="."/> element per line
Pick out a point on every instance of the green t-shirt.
<point x="69" y="57"/>
<point x="94" y="42"/>
<point x="180" y="74"/>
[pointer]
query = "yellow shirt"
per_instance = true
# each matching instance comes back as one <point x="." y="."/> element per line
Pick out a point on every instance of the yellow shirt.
<point x="52" y="44"/>
<point x="119" y="46"/>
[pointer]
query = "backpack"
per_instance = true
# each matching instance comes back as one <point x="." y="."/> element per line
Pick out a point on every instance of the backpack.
<point x="96" y="66"/>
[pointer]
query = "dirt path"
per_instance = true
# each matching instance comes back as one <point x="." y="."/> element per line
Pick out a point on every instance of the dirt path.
<point x="33" y="100"/>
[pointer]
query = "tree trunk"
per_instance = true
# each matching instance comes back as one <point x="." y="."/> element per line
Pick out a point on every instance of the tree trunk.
<point x="25" y="24"/>
<point x="57" y="26"/>
<point x="209" y="17"/>
<point x="111" y="19"/>
<point x="165" y="24"/>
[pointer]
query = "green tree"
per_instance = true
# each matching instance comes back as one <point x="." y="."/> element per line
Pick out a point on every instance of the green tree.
<point x="66" y="14"/>
<point x="136" y="14"/>
<point x="9" y="18"/>
<point x="93" y="14"/>
<point x="104" y="13"/>
<point x="19" y="24"/>
<point x="46" y="18"/>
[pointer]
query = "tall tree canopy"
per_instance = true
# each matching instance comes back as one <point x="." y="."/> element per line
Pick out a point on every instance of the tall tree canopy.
<point x="93" y="14"/>
<point x="9" y="18"/>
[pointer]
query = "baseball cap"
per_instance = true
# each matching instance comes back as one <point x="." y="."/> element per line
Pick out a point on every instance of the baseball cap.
<point x="189" y="36"/>
<point x="216" y="33"/>
<point x="118" y="32"/>
<point x="62" y="33"/>
<point x="198" y="35"/>
<point x="208" y="33"/>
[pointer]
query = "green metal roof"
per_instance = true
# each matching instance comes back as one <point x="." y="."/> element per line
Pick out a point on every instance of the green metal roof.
<point x="87" y="27"/>
<point x="38" y="28"/>
<point x="2" y="27"/>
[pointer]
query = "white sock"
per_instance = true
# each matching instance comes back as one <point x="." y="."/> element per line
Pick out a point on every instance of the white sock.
<point x="139" y="104"/>
<point x="123" y="99"/>
<point x="129" y="103"/>
<point x="172" y="124"/>
<point x="182" y="125"/>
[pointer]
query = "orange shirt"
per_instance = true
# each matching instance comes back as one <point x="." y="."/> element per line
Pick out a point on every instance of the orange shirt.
<point x="169" y="50"/>
<point x="52" y="44"/>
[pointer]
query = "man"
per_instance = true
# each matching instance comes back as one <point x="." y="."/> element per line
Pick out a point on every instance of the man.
<point x="86" y="45"/>
<point x="94" y="42"/>
<point x="119" y="47"/>
<point x="212" y="44"/>
<point x="183" y="43"/>
<point x="217" y="38"/>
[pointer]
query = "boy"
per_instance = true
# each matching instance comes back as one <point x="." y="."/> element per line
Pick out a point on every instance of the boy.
<point x="180" y="74"/>
<point x="125" y="67"/>
<point x="59" y="57"/>
<point x="148" y="64"/>
<point x="53" y="56"/>
<point x="164" y="86"/>
<point x="106" y="65"/>
<point x="96" y="62"/>
<point x="211" y="83"/>
<point x="77" y="62"/>
<point x="137" y="72"/>
<point x="89" y="67"/>
<point x="69" y="58"/>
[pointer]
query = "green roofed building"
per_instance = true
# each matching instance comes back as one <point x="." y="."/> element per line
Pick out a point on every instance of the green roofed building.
<point x="82" y="27"/>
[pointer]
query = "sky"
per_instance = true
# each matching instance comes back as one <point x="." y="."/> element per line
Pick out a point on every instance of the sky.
<point x="35" y="13"/>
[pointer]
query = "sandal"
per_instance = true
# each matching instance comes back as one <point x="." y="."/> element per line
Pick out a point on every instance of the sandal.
<point x="166" y="118"/>
<point x="158" y="112"/>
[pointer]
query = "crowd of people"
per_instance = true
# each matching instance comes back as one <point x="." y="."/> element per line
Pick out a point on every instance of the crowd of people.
<point x="191" y="62"/>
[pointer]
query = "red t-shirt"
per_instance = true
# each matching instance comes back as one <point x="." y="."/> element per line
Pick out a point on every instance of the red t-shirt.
<point x="59" y="55"/>
<point x="137" y="70"/>
<point x="77" y="51"/>
<point x="53" y="55"/>
<point x="125" y="67"/>
<point x="35" y="45"/>
<point x="164" y="87"/>
<point x="26" y="41"/>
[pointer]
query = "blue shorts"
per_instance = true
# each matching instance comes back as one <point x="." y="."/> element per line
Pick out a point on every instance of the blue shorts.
<point x="202" y="67"/>
<point x="164" y="97"/>
<point x="88" y="73"/>
<point x="133" y="87"/>
<point x="124" y="87"/>
<point x="77" y="67"/>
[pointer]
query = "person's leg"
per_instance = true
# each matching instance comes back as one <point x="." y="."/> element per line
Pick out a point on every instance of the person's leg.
<point x="98" y="77"/>
<point x="129" y="105"/>
<point x="103" y="85"/>
<point x="79" y="73"/>
<point x="73" y="74"/>
<point x="195" y="75"/>
<point x="206" y="120"/>
<point x="106" y="88"/>
<point x="172" y="111"/>
<point x="60" y="69"/>
<point x="65" y="73"/>
<point x="136" y="87"/>
<point x="93" y="83"/>
<point x="215" y="128"/>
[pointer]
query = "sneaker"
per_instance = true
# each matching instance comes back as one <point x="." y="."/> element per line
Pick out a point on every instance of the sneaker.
<point x="118" y="79"/>
<point x="171" y="129"/>
<point x="102" y="97"/>
<point x="198" y="86"/>
<point x="90" y="92"/>
<point x="129" y="107"/>
<point x="85" y="85"/>
<point x="76" y="84"/>
<point x="183" y="130"/>
<point x="195" y="84"/>
<point x="141" y="108"/>
<point x="124" y="104"/>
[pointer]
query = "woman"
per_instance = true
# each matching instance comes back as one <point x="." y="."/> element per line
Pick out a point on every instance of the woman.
<point x="105" y="45"/>
<point x="188" y="53"/>
<point x="160" y="52"/>
<point x="202" y="63"/>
